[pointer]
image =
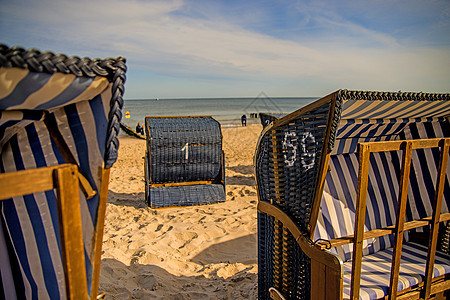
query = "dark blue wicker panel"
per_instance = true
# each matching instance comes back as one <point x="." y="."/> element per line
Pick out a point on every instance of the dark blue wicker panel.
<point x="184" y="149"/>
<point x="286" y="168"/>
<point x="186" y="195"/>
<point x="265" y="253"/>
<point x="299" y="147"/>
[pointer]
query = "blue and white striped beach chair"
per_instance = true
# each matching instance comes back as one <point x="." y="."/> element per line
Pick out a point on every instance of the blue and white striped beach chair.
<point x="354" y="198"/>
<point x="59" y="120"/>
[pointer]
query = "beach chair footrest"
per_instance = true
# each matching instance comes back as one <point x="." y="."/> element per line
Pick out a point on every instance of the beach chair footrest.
<point x="186" y="195"/>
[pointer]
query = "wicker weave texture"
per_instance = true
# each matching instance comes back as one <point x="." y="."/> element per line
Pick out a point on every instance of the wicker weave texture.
<point x="184" y="149"/>
<point x="187" y="195"/>
<point x="286" y="169"/>
<point x="180" y="150"/>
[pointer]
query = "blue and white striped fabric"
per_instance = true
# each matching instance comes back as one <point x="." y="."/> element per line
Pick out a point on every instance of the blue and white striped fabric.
<point x="339" y="201"/>
<point x="81" y="107"/>
<point x="375" y="275"/>
<point x="367" y="121"/>
<point x="394" y="109"/>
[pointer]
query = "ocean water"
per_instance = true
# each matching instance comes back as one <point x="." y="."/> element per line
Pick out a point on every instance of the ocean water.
<point x="227" y="111"/>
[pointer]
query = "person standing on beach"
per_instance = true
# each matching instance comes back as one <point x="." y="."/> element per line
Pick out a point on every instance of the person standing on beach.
<point x="139" y="128"/>
<point x="244" y="120"/>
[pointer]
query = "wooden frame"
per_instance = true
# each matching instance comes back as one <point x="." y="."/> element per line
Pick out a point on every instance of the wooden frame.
<point x="365" y="149"/>
<point x="326" y="268"/>
<point x="65" y="180"/>
<point x="101" y="214"/>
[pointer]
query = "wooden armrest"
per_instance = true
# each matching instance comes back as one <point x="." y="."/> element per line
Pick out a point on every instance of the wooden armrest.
<point x="327" y="258"/>
<point x="379" y="232"/>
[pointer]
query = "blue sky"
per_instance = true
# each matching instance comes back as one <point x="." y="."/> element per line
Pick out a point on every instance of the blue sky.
<point x="233" y="48"/>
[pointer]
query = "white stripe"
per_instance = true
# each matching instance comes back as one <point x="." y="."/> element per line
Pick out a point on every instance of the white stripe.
<point x="50" y="160"/>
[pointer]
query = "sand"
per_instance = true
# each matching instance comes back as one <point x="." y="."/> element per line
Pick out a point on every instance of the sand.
<point x="198" y="252"/>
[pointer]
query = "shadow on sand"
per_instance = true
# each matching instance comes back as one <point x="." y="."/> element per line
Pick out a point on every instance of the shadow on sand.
<point x="243" y="175"/>
<point x="136" y="200"/>
<point x="140" y="281"/>
<point x="228" y="252"/>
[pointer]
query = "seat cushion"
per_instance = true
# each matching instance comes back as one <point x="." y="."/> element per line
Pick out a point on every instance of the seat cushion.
<point x="376" y="270"/>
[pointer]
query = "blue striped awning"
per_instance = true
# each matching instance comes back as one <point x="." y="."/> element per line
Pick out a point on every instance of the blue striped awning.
<point x="371" y="116"/>
<point x="85" y="109"/>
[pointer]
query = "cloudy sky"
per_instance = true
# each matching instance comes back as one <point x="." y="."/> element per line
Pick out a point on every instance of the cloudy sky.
<point x="234" y="48"/>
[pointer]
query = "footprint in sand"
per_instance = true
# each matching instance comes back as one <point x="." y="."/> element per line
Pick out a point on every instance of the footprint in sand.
<point x="159" y="227"/>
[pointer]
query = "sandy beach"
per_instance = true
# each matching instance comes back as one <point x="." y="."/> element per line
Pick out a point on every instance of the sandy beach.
<point x="199" y="252"/>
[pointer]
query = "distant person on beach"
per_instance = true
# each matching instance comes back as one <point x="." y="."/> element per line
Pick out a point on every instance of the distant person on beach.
<point x="244" y="120"/>
<point x="139" y="128"/>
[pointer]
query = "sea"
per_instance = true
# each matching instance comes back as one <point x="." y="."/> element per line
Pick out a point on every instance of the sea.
<point x="227" y="111"/>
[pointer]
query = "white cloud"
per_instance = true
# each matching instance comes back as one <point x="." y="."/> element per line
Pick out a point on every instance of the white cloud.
<point x="156" y="36"/>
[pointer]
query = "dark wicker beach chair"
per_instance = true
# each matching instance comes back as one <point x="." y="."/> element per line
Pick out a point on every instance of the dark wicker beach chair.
<point x="184" y="162"/>
<point x="354" y="198"/>
<point x="59" y="120"/>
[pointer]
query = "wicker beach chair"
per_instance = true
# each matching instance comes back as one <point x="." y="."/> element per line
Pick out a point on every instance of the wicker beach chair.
<point x="184" y="162"/>
<point x="59" y="120"/>
<point x="354" y="198"/>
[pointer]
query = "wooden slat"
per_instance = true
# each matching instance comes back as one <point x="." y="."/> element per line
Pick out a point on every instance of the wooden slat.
<point x="323" y="168"/>
<point x="318" y="196"/>
<point x="400" y="219"/>
<point x="437" y="287"/>
<point x="318" y="279"/>
<point x="181" y="183"/>
<point x="86" y="186"/>
<point x="363" y="178"/>
<point x="333" y="285"/>
<point x="380" y="232"/>
<point x="26" y="182"/>
<point x="71" y="233"/>
<point x="100" y="225"/>
<point x="442" y="168"/>
<point x="397" y="145"/>
<point x="38" y="180"/>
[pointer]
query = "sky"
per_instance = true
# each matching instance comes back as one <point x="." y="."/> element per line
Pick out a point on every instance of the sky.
<point x="236" y="48"/>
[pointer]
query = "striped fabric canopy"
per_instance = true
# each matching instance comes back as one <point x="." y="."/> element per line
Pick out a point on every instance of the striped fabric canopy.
<point x="375" y="116"/>
<point x="306" y="169"/>
<point x="54" y="109"/>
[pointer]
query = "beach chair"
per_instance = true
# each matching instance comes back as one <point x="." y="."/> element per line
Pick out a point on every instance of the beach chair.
<point x="184" y="161"/>
<point x="59" y="121"/>
<point x="354" y="198"/>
